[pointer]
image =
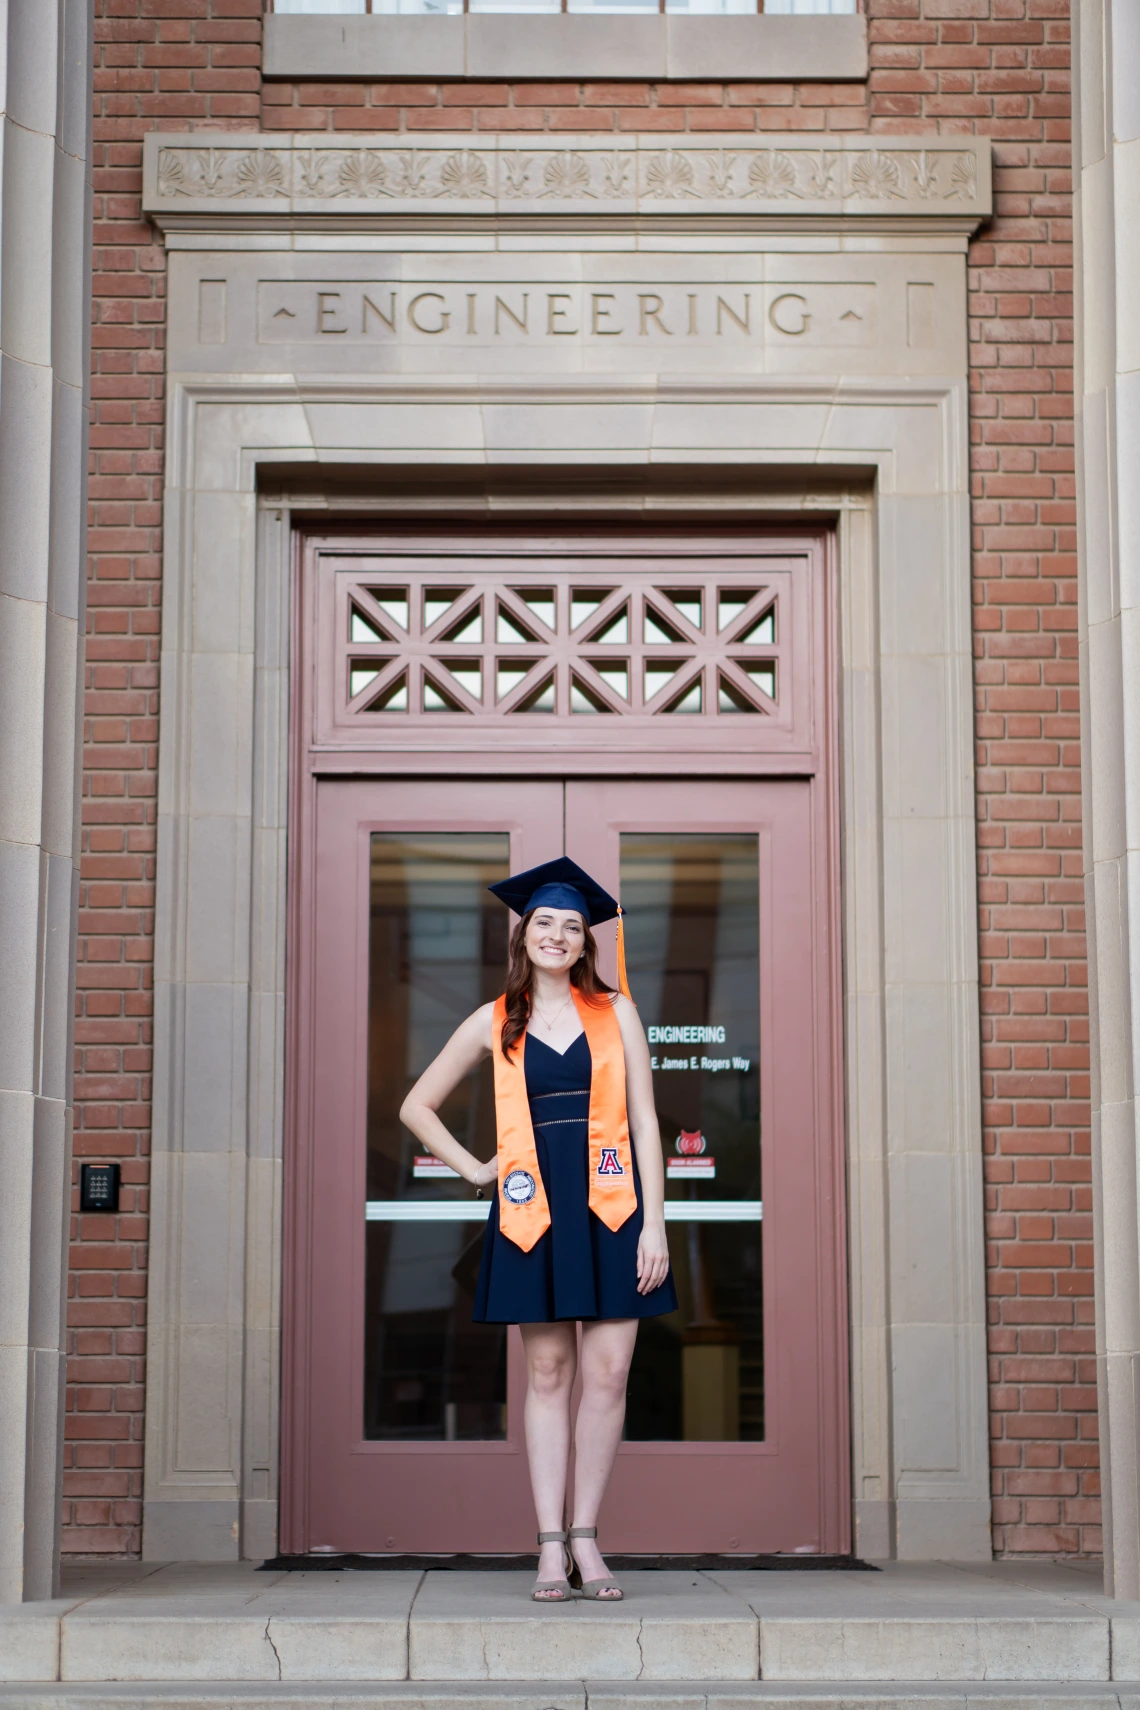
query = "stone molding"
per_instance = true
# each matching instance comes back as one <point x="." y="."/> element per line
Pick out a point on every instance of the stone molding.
<point x="199" y="178"/>
<point x="661" y="46"/>
<point x="920" y="1455"/>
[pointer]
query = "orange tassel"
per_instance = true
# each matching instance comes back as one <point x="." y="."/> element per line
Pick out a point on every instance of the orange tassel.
<point x="623" y="978"/>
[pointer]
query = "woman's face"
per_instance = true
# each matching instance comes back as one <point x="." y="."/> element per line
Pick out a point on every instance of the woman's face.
<point x="555" y="938"/>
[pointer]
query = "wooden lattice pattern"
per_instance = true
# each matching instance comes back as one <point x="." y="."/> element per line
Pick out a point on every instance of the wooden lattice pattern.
<point x="695" y="642"/>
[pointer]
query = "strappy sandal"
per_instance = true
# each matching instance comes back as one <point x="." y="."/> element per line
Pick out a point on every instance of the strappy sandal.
<point x="592" y="1588"/>
<point x="552" y="1590"/>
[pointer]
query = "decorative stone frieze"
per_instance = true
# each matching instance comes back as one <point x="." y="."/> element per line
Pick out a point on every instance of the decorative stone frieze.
<point x="829" y="177"/>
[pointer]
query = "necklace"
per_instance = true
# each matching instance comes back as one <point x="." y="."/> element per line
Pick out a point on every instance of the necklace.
<point x="549" y="1025"/>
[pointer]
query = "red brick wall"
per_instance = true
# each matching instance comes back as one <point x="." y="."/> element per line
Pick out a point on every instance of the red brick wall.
<point x="1010" y="78"/>
<point x="158" y="64"/>
<point x="564" y="106"/>
<point x="999" y="67"/>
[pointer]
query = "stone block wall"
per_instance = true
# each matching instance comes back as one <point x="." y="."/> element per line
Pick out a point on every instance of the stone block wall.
<point x="996" y="67"/>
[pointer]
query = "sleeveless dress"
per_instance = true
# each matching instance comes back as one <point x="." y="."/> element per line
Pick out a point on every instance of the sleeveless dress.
<point x="579" y="1268"/>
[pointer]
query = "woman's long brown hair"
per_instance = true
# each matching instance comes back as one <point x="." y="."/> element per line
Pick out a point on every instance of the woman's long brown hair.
<point x="584" y="977"/>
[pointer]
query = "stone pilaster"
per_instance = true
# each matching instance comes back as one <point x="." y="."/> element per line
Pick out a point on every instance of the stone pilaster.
<point x="1107" y="146"/>
<point x="45" y="222"/>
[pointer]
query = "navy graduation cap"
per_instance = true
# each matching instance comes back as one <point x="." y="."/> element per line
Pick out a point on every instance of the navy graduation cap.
<point x="563" y="884"/>
<point x="557" y="884"/>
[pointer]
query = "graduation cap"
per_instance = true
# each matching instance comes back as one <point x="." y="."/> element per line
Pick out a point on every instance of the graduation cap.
<point x="563" y="884"/>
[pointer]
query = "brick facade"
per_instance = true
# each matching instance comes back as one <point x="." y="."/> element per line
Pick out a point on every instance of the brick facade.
<point x="998" y="67"/>
<point x="169" y="63"/>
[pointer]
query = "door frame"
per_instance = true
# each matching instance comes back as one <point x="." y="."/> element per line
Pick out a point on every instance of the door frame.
<point x="920" y="1447"/>
<point x="312" y="760"/>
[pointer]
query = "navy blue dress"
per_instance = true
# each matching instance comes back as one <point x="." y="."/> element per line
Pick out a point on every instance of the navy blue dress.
<point x="579" y="1268"/>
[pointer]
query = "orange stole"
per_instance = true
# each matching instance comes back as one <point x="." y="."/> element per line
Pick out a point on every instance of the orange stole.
<point x="524" y="1212"/>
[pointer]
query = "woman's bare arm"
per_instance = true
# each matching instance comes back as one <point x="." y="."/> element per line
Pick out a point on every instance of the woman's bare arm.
<point x="653" y="1249"/>
<point x="464" y="1051"/>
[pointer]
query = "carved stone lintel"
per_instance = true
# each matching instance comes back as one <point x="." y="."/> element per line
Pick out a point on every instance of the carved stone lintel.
<point x="824" y="175"/>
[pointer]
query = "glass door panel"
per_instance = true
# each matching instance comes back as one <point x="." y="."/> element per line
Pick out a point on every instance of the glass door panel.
<point x="692" y="902"/>
<point x="437" y="950"/>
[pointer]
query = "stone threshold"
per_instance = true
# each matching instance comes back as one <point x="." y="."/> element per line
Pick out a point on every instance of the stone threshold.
<point x="586" y="1695"/>
<point x="433" y="1635"/>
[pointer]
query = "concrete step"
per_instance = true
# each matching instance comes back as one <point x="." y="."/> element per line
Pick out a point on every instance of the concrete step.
<point x="585" y="1695"/>
<point x="940" y="1624"/>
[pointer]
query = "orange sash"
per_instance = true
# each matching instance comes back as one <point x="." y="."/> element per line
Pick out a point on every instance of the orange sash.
<point x="524" y="1212"/>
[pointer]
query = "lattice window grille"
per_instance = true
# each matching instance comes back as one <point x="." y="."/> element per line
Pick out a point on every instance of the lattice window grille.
<point x="688" y="645"/>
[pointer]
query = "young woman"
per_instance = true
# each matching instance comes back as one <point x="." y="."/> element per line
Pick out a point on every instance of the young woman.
<point x="576" y="1232"/>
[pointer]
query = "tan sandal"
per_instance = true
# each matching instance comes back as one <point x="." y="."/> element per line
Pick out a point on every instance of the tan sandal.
<point x="552" y="1590"/>
<point x="592" y="1588"/>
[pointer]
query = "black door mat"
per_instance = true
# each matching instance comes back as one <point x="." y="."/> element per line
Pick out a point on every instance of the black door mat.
<point x="323" y="1563"/>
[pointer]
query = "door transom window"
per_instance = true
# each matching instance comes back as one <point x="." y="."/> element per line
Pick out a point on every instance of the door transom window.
<point x="698" y="641"/>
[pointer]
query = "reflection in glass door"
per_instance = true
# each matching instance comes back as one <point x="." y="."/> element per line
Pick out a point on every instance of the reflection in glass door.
<point x="692" y="947"/>
<point x="437" y="950"/>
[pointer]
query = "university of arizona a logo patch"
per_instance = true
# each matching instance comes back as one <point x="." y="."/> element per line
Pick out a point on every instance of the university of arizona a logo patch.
<point x="519" y="1187"/>
<point x="609" y="1164"/>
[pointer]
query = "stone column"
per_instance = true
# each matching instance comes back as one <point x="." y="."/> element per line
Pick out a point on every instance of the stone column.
<point x="1107" y="150"/>
<point x="45" y="226"/>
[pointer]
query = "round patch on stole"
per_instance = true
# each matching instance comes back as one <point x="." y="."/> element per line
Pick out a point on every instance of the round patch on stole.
<point x="519" y="1187"/>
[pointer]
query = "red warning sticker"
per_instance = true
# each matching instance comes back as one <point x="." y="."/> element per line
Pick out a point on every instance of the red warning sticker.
<point x="432" y="1169"/>
<point x="692" y="1169"/>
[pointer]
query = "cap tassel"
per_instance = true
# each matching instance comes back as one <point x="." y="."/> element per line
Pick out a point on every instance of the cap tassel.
<point x="623" y="978"/>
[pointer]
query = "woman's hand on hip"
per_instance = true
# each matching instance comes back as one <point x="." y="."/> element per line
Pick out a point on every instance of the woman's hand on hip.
<point x="652" y="1258"/>
<point x="486" y="1173"/>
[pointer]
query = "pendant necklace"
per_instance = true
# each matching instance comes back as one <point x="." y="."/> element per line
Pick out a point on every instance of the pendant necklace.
<point x="549" y="1025"/>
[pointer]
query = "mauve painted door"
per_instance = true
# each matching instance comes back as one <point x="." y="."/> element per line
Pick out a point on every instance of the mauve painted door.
<point x="736" y="1434"/>
<point x="736" y="1437"/>
<point x="414" y="1412"/>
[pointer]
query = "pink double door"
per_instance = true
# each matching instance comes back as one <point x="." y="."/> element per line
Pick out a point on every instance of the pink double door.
<point x="405" y="1416"/>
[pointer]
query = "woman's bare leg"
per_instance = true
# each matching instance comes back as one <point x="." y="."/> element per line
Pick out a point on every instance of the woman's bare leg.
<point x="551" y="1359"/>
<point x="607" y="1349"/>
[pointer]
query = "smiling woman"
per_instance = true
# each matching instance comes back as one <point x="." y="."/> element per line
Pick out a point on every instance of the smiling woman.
<point x="576" y="1233"/>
